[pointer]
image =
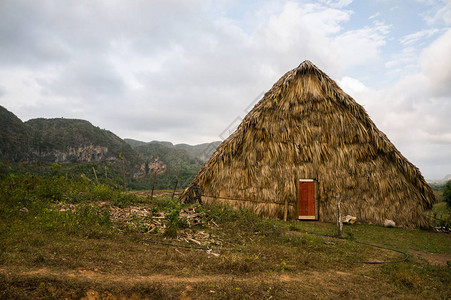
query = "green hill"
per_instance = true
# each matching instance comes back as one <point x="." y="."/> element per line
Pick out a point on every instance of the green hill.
<point x="134" y="143"/>
<point x="74" y="147"/>
<point x="14" y="136"/>
<point x="200" y="151"/>
<point x="66" y="146"/>
<point x="71" y="140"/>
<point x="169" y="161"/>
<point x="177" y="162"/>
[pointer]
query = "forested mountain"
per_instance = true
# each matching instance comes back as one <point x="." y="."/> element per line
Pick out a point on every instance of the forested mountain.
<point x="71" y="140"/>
<point x="14" y="136"/>
<point x="59" y="141"/>
<point x="77" y="148"/>
<point x="134" y="143"/>
<point x="201" y="151"/>
<point x="177" y="163"/>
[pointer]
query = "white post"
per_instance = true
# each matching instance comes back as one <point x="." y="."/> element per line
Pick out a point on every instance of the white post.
<point x="339" y="221"/>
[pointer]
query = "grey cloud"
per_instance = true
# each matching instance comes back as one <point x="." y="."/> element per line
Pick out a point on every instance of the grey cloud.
<point x="28" y="36"/>
<point x="38" y="32"/>
<point x="185" y="70"/>
<point x="432" y="158"/>
<point x="88" y="79"/>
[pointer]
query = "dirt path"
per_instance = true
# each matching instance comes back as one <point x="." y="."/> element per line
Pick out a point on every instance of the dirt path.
<point x="311" y="278"/>
<point x="96" y="285"/>
<point x="95" y="276"/>
<point x="438" y="259"/>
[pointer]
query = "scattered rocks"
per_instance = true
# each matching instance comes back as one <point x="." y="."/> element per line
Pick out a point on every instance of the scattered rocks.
<point x="443" y="229"/>
<point x="65" y="207"/>
<point x="389" y="223"/>
<point x="349" y="219"/>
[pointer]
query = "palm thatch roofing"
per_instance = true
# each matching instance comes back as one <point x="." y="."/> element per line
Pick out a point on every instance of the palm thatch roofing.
<point x="305" y="126"/>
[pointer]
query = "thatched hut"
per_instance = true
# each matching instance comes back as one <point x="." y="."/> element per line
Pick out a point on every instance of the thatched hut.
<point x="304" y="145"/>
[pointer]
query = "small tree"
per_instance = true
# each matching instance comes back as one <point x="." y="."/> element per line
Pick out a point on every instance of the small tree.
<point x="55" y="168"/>
<point x="447" y="193"/>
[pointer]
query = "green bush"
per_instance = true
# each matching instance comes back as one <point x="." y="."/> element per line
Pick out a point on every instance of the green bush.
<point x="103" y="193"/>
<point x="123" y="200"/>
<point x="174" y="221"/>
<point x="447" y="193"/>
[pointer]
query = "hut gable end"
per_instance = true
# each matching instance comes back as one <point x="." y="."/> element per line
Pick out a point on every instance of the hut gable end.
<point x="305" y="126"/>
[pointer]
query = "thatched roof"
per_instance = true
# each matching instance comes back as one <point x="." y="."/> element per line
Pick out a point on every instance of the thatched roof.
<point x="307" y="127"/>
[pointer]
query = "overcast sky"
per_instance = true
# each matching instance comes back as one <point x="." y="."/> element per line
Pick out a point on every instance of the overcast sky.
<point x="188" y="71"/>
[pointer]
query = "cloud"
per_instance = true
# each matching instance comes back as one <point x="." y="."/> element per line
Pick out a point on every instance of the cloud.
<point x="374" y="16"/>
<point x="185" y="70"/>
<point x="85" y="78"/>
<point x="436" y="65"/>
<point x="407" y="57"/>
<point x="414" y="111"/>
<point x="419" y="35"/>
<point x="441" y="14"/>
<point x="336" y="3"/>
<point x="352" y="85"/>
<point x="149" y="69"/>
<point x="356" y="47"/>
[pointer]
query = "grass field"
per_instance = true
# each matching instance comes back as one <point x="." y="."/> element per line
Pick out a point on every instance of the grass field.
<point x="441" y="212"/>
<point x="72" y="239"/>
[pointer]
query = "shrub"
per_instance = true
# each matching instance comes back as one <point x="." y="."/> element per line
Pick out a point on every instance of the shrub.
<point x="103" y="193"/>
<point x="447" y="193"/>
<point x="174" y="221"/>
<point x="123" y="200"/>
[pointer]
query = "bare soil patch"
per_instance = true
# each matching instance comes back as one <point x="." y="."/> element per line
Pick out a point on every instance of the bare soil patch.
<point x="438" y="259"/>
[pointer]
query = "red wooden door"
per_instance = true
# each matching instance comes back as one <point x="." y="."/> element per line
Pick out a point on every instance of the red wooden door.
<point x="307" y="199"/>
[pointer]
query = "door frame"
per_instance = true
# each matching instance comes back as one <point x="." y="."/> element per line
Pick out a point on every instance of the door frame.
<point x="315" y="199"/>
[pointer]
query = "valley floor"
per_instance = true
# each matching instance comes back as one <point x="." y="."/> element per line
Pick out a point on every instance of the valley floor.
<point x="158" y="249"/>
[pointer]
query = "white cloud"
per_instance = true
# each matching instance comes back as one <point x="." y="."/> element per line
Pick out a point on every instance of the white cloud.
<point x="352" y="85"/>
<point x="336" y="3"/>
<point x="360" y="46"/>
<point x="374" y="16"/>
<point x="414" y="111"/>
<point x="415" y="37"/>
<point x="442" y="14"/>
<point x="403" y="61"/>
<point x="436" y="65"/>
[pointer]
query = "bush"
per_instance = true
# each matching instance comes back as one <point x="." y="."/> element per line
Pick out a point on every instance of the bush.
<point x="103" y="193"/>
<point x="123" y="200"/>
<point x="447" y="193"/>
<point x="174" y="221"/>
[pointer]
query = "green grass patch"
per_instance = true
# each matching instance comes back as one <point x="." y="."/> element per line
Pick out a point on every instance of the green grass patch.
<point x="440" y="215"/>
<point x="398" y="238"/>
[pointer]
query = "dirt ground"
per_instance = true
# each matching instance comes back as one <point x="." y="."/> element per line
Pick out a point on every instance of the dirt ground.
<point x="437" y="259"/>
<point x="326" y="283"/>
